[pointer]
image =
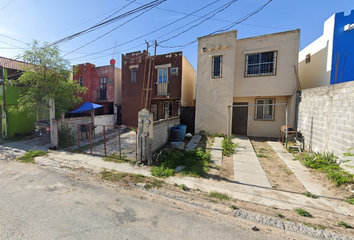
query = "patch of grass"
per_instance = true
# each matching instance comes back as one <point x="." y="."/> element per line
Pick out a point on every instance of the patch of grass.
<point x="157" y="183"/>
<point x="31" y="154"/>
<point x="279" y="215"/>
<point x="123" y="177"/>
<point x="233" y="207"/>
<point x="350" y="200"/>
<point x="262" y="155"/>
<point x="327" y="163"/>
<point x="315" y="226"/>
<point x="344" y="224"/>
<point x="213" y="201"/>
<point x="302" y="212"/>
<point x="116" y="159"/>
<point x="176" y="185"/>
<point x="197" y="163"/>
<point x="184" y="187"/>
<point x="311" y="195"/>
<point x="228" y="147"/>
<point x="217" y="195"/>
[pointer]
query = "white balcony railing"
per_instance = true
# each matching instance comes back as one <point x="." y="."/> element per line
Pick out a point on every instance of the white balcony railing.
<point x="162" y="89"/>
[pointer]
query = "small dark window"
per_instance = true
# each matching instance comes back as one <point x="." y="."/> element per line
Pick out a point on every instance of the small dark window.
<point x="80" y="81"/>
<point x="217" y="62"/>
<point x="133" y="75"/>
<point x="308" y="58"/>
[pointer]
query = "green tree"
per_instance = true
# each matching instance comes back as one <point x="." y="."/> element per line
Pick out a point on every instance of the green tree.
<point x="46" y="75"/>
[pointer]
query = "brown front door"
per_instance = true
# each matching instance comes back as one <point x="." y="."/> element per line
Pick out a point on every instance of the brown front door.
<point x="239" y="119"/>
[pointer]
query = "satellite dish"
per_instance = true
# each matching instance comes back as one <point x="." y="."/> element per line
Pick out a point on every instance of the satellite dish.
<point x="112" y="62"/>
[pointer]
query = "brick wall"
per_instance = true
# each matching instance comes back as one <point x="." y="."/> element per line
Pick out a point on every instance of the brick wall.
<point x="326" y="118"/>
<point x="161" y="131"/>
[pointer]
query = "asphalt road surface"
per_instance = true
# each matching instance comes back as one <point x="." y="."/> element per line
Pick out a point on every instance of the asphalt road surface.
<point x="40" y="203"/>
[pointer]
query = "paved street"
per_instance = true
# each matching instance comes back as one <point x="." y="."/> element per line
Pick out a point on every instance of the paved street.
<point x="39" y="203"/>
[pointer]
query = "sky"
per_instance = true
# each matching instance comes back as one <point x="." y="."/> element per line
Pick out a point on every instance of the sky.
<point x="181" y="22"/>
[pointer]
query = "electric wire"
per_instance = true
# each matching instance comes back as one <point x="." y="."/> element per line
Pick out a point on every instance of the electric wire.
<point x="7" y="5"/>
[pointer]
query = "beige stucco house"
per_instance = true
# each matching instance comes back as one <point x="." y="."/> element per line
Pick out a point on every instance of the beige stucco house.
<point x="249" y="71"/>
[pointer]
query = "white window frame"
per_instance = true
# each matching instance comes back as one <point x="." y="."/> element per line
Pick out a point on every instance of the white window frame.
<point x="213" y="72"/>
<point x="264" y="112"/>
<point x="270" y="65"/>
<point x="163" y="75"/>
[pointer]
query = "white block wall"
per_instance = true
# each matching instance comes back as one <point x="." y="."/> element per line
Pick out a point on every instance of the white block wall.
<point x="161" y="131"/>
<point x="326" y="118"/>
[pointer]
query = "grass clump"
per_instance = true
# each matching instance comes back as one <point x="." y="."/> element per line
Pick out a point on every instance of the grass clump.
<point x="31" y="154"/>
<point x="197" y="163"/>
<point x="233" y="207"/>
<point x="116" y="159"/>
<point x="184" y="187"/>
<point x="327" y="163"/>
<point x="228" y="147"/>
<point x="315" y="226"/>
<point x="311" y="195"/>
<point x="219" y="196"/>
<point x="123" y="177"/>
<point x="279" y="215"/>
<point x="344" y="224"/>
<point x="262" y="155"/>
<point x="302" y="212"/>
<point x="350" y="200"/>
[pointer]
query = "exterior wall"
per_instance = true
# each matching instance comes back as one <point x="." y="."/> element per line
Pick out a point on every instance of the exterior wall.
<point x="132" y="93"/>
<point x="343" y="49"/>
<point x="284" y="82"/>
<point x="326" y="118"/>
<point x="117" y="86"/>
<point x="264" y="128"/>
<point x="161" y="131"/>
<point x="188" y="83"/>
<point x="214" y="95"/>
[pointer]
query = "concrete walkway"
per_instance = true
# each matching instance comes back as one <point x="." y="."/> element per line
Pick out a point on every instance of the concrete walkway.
<point x="300" y="171"/>
<point x="247" y="168"/>
<point x="192" y="144"/>
<point x="216" y="151"/>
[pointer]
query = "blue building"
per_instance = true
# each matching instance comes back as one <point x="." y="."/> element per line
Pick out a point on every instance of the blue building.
<point x="330" y="58"/>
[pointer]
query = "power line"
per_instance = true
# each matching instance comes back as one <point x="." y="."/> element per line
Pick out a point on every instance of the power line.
<point x="7" y="5"/>
<point x="224" y="28"/>
<point x="12" y="38"/>
<point x="220" y="10"/>
<point x="114" y="29"/>
<point x="144" y="35"/>
<point x="118" y="10"/>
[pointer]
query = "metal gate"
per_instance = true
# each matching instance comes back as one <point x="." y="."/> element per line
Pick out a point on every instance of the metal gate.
<point x="240" y="119"/>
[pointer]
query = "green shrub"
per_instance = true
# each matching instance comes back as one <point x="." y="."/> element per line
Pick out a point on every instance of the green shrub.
<point x="344" y="224"/>
<point x="302" y="212"/>
<point x="228" y="147"/>
<point x="217" y="195"/>
<point x="196" y="162"/>
<point x="31" y="154"/>
<point x="63" y="137"/>
<point x="183" y="187"/>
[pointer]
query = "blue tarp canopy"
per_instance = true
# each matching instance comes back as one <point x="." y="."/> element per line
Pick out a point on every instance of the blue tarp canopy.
<point x="87" y="106"/>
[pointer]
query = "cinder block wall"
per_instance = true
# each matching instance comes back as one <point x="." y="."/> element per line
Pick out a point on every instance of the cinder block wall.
<point x="161" y="131"/>
<point x="326" y="118"/>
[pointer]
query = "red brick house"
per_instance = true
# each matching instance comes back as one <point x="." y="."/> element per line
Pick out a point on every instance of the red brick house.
<point x="165" y="81"/>
<point x="104" y="87"/>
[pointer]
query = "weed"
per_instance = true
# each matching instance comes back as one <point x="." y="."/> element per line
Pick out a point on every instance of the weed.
<point x="350" y="200"/>
<point x="327" y="163"/>
<point x="213" y="201"/>
<point x="274" y="207"/>
<point x="31" y="154"/>
<point x="344" y="224"/>
<point x="176" y="185"/>
<point x="63" y="136"/>
<point x="262" y="155"/>
<point x="311" y="195"/>
<point x="228" y="147"/>
<point x="148" y="186"/>
<point x="184" y="187"/>
<point x="315" y="226"/>
<point x="197" y="163"/>
<point x="116" y="159"/>
<point x="124" y="177"/>
<point x="233" y="207"/>
<point x="302" y="212"/>
<point x="279" y="215"/>
<point x="198" y="190"/>
<point x="220" y="196"/>
<point x="157" y="183"/>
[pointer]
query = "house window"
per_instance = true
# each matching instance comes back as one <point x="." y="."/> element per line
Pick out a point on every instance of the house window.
<point x="264" y="112"/>
<point x="80" y="81"/>
<point x="133" y="75"/>
<point x="308" y="58"/>
<point x="216" y="67"/>
<point x="162" y="75"/>
<point x="261" y="64"/>
<point x="103" y="88"/>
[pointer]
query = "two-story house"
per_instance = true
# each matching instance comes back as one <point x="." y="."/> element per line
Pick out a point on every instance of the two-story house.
<point x="12" y="124"/>
<point x="248" y="72"/>
<point x="104" y="87"/>
<point x="330" y="58"/>
<point x="159" y="83"/>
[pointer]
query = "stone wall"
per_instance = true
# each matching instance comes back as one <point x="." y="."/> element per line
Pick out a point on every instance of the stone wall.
<point x="161" y="131"/>
<point x="326" y="118"/>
